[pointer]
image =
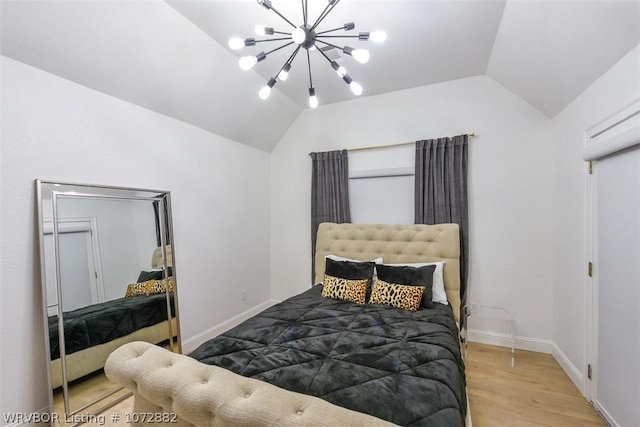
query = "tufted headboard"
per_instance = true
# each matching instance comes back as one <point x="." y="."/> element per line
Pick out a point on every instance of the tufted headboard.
<point x="395" y="244"/>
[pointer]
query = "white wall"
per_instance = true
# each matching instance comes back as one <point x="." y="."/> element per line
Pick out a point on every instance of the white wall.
<point x="510" y="182"/>
<point x="57" y="130"/>
<point x="616" y="89"/>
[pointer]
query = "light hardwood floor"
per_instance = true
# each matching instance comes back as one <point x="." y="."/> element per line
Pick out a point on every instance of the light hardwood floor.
<point x="536" y="392"/>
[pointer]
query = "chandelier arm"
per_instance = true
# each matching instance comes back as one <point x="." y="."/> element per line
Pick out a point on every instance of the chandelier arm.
<point x="309" y="65"/>
<point x="293" y="55"/>
<point x="272" y="40"/>
<point x="331" y="30"/>
<point x="329" y="44"/>
<point x="324" y="13"/>
<point x="278" y="48"/>
<point x="282" y="16"/>
<point x="339" y="36"/>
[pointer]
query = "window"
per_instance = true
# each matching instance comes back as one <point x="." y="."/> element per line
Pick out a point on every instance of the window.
<point x="381" y="185"/>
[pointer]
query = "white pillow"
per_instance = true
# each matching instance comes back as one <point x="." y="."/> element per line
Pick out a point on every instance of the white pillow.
<point x="439" y="294"/>
<point x="340" y="258"/>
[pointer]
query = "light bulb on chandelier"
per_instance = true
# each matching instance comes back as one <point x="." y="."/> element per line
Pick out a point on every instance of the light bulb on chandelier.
<point x="313" y="99"/>
<point x="306" y="36"/>
<point x="247" y="62"/>
<point x="236" y="43"/>
<point x="266" y="89"/>
<point x="355" y="88"/>
<point x="378" y="36"/>
<point x="284" y="73"/>
<point x="360" y="55"/>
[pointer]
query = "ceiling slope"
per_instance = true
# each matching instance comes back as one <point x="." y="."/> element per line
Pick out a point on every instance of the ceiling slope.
<point x="548" y="52"/>
<point x="145" y="53"/>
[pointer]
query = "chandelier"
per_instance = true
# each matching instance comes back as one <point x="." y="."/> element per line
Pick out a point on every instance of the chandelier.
<point x="308" y="37"/>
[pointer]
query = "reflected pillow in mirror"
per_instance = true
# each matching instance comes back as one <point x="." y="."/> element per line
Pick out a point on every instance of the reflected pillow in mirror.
<point x="150" y="287"/>
<point x="152" y="275"/>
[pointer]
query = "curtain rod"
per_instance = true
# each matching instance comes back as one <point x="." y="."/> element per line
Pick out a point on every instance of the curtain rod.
<point x="375" y="147"/>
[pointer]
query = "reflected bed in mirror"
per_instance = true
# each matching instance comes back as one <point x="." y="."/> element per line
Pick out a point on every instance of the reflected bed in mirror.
<point x="109" y="278"/>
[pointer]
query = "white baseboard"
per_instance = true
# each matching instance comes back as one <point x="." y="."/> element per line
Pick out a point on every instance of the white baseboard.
<point x="570" y="369"/>
<point x="503" y="340"/>
<point x="605" y="414"/>
<point x="192" y="343"/>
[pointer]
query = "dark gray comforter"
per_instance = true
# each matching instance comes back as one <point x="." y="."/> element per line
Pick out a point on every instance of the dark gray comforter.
<point x="400" y="366"/>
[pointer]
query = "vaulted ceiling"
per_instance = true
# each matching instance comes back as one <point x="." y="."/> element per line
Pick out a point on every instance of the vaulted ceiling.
<point x="172" y="56"/>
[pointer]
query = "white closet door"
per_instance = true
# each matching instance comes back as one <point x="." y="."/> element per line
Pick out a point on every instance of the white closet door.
<point x="617" y="269"/>
<point x="75" y="271"/>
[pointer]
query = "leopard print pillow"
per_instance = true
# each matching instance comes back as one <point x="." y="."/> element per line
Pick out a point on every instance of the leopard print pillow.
<point x="399" y="296"/>
<point x="149" y="287"/>
<point x="345" y="289"/>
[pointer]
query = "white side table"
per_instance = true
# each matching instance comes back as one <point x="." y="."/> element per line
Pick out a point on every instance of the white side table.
<point x="492" y="313"/>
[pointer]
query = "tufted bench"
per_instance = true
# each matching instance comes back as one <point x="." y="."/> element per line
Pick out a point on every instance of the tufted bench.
<point x="191" y="393"/>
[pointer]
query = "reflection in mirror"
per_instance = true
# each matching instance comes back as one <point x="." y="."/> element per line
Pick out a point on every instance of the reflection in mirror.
<point x="108" y="279"/>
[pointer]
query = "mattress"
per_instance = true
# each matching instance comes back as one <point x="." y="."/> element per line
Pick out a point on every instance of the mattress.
<point x="401" y="366"/>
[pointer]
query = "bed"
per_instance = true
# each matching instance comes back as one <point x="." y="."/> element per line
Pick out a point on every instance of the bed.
<point x="94" y="331"/>
<point x="314" y="360"/>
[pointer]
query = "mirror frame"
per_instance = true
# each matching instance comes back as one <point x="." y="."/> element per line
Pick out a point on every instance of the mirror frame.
<point x="72" y="190"/>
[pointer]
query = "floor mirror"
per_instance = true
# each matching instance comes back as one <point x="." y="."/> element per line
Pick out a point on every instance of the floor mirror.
<point x="108" y="278"/>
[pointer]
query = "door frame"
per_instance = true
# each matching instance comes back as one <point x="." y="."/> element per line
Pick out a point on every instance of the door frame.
<point x="609" y="136"/>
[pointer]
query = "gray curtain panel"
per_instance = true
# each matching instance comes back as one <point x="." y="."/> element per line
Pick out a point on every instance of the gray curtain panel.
<point x="441" y="192"/>
<point x="329" y="193"/>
